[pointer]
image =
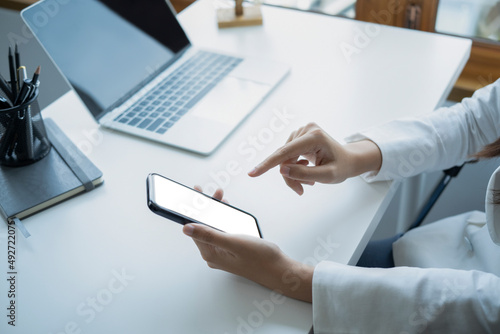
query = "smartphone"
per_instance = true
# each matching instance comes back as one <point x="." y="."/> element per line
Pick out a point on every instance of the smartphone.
<point x="184" y="205"/>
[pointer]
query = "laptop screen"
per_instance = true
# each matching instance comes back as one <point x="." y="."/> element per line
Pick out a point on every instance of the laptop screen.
<point x="107" y="49"/>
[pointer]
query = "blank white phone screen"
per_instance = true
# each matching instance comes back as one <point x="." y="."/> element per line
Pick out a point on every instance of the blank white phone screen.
<point x="187" y="202"/>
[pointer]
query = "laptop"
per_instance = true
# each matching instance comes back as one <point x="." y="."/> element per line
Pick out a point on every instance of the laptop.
<point x="135" y="69"/>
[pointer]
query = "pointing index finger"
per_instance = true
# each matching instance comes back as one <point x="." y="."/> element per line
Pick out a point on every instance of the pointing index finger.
<point x="293" y="149"/>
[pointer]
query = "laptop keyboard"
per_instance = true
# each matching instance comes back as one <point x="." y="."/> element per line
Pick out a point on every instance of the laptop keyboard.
<point x="171" y="99"/>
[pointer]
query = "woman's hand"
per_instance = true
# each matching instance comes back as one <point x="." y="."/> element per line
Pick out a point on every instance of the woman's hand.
<point x="256" y="259"/>
<point x="332" y="162"/>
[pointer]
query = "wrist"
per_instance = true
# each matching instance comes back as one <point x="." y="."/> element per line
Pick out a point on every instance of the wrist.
<point x="364" y="156"/>
<point x="295" y="280"/>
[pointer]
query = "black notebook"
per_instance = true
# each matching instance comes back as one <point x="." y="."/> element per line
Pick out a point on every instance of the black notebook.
<point x="65" y="172"/>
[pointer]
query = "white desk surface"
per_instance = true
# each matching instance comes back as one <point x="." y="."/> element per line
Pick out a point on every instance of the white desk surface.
<point x="75" y="247"/>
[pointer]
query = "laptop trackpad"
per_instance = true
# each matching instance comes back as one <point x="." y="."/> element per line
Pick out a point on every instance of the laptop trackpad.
<point x="231" y="100"/>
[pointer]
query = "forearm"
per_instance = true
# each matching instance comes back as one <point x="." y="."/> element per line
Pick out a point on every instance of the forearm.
<point x="292" y="279"/>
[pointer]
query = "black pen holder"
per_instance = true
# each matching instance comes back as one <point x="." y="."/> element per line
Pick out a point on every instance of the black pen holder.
<point x="23" y="138"/>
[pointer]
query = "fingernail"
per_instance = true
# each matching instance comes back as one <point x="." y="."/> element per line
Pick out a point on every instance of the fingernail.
<point x="252" y="171"/>
<point x="285" y="170"/>
<point x="188" y="230"/>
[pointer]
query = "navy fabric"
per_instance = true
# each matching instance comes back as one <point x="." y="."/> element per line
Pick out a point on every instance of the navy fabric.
<point x="378" y="253"/>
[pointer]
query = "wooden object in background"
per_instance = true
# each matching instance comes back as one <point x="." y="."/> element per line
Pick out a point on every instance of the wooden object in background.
<point x="227" y="17"/>
<point x="414" y="14"/>
<point x="482" y="69"/>
<point x="180" y="5"/>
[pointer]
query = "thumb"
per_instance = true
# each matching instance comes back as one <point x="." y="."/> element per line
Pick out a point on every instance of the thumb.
<point x="207" y="235"/>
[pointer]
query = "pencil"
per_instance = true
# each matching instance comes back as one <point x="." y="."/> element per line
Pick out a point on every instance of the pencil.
<point x="34" y="82"/>
<point x="18" y="57"/>
<point x="12" y="75"/>
<point x="36" y="75"/>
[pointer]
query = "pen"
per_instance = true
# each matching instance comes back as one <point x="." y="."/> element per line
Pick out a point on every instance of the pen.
<point x="23" y="93"/>
<point x="12" y="75"/>
<point x="24" y="89"/>
<point x="21" y="77"/>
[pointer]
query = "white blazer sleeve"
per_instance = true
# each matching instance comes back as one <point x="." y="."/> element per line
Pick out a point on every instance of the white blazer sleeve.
<point x="437" y="140"/>
<point x="350" y="299"/>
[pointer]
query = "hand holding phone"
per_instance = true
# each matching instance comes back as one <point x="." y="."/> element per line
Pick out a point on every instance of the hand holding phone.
<point x="184" y="205"/>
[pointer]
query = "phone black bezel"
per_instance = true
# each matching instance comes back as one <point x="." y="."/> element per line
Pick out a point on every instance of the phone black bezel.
<point x="179" y="218"/>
